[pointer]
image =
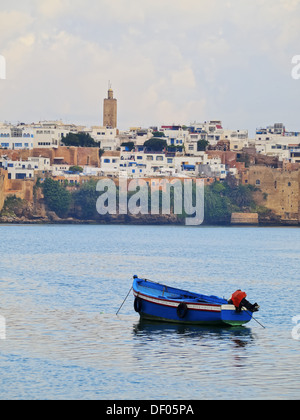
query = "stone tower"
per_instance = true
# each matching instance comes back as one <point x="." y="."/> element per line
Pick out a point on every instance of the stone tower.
<point x="110" y="109"/>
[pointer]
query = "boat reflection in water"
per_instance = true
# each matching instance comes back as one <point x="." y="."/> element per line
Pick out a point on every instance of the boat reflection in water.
<point x="158" y="331"/>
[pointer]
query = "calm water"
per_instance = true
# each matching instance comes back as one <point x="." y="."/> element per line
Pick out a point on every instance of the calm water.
<point x="60" y="287"/>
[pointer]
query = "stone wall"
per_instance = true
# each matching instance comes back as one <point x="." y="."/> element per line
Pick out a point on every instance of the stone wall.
<point x="281" y="190"/>
<point x="88" y="156"/>
<point x="70" y="155"/>
<point x="20" y="188"/>
<point x="244" y="218"/>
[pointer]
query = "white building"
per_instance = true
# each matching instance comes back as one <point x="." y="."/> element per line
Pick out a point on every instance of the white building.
<point x="294" y="155"/>
<point x="175" y="135"/>
<point x="143" y="164"/>
<point x="24" y="169"/>
<point x="212" y="168"/>
<point x="212" y="131"/>
<point x="238" y="138"/>
<point x="40" y="135"/>
<point x="191" y="143"/>
<point x="40" y="163"/>
<point x="110" y="163"/>
<point x="276" y="141"/>
<point x="138" y="135"/>
<point x="16" y="137"/>
<point x="209" y="130"/>
<point x="105" y="136"/>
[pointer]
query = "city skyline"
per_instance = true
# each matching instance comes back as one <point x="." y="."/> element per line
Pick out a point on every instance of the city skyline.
<point x="171" y="62"/>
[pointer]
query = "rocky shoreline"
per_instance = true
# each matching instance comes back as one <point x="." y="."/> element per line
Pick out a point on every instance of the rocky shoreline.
<point x="53" y="219"/>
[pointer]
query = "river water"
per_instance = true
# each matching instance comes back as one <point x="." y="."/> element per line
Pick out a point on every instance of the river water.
<point x="61" y="286"/>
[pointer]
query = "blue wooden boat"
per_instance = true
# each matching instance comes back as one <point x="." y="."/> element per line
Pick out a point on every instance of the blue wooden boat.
<point x="158" y="302"/>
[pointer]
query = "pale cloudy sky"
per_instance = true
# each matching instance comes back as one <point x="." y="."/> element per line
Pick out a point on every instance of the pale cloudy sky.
<point x="169" y="61"/>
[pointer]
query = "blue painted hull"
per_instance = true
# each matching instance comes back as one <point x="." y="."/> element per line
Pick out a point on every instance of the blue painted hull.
<point x="158" y="302"/>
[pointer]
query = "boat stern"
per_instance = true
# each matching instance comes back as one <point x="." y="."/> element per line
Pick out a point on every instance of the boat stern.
<point x="230" y="316"/>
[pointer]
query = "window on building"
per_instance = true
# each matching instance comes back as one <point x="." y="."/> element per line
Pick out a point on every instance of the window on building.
<point x="257" y="182"/>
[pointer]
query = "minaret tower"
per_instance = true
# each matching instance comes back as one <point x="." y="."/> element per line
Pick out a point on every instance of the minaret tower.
<point x="110" y="109"/>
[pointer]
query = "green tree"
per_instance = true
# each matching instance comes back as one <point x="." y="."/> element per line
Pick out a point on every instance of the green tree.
<point x="157" y="134"/>
<point x="224" y="198"/>
<point x="57" y="198"/>
<point x="76" y="168"/>
<point x="79" y="140"/>
<point x="239" y="195"/>
<point x="128" y="144"/>
<point x="85" y="199"/>
<point x="216" y="206"/>
<point x="155" y="144"/>
<point x="202" y="145"/>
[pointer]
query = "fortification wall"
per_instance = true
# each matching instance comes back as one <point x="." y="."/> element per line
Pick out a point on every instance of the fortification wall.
<point x="244" y="218"/>
<point x="20" y="188"/>
<point x="281" y="189"/>
<point x="71" y="155"/>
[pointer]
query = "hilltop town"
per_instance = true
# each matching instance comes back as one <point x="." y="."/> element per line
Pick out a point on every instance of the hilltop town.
<point x="73" y="156"/>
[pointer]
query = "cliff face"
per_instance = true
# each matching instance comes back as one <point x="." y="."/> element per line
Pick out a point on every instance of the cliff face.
<point x="35" y="211"/>
<point x="277" y="200"/>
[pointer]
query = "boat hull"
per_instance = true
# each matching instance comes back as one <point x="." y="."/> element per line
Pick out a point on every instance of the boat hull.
<point x="167" y="310"/>
<point x="153" y="303"/>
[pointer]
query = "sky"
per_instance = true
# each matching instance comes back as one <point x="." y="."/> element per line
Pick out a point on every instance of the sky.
<point x="168" y="61"/>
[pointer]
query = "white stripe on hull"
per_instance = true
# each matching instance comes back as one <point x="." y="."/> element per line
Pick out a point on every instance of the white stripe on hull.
<point x="174" y="304"/>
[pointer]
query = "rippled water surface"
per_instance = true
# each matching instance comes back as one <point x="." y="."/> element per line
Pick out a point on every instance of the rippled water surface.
<point x="60" y="287"/>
